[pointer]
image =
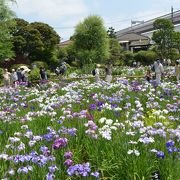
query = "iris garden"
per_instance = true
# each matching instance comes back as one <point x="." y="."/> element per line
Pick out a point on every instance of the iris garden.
<point x="128" y="129"/>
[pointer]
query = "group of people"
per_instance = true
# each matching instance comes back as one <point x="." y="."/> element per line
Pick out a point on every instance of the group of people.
<point x="158" y="69"/>
<point x="108" y="73"/>
<point x="15" y="76"/>
<point x="61" y="70"/>
<point x="20" y="75"/>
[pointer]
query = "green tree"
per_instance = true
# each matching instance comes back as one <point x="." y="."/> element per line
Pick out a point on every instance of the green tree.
<point x="62" y="54"/>
<point x="37" y="41"/>
<point x="163" y="37"/>
<point x="91" y="41"/>
<point x="115" y="50"/>
<point x="72" y="54"/>
<point x="49" y="37"/>
<point x="111" y="32"/>
<point x="5" y="24"/>
<point x="176" y="40"/>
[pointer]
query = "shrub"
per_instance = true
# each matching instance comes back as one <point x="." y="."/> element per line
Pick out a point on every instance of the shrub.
<point x="75" y="64"/>
<point x="1" y="73"/>
<point x="128" y="58"/>
<point x="145" y="57"/>
<point x="34" y="75"/>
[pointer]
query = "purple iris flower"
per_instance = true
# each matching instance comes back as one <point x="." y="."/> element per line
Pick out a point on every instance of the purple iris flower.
<point x="170" y="143"/>
<point x="79" y="169"/>
<point x="95" y="174"/>
<point x="50" y="176"/>
<point x="48" y="137"/>
<point x="68" y="155"/>
<point x="160" y="154"/>
<point x="52" y="168"/>
<point x="72" y="131"/>
<point x="114" y="105"/>
<point x="100" y="103"/>
<point x="59" y="143"/>
<point x="92" y="106"/>
<point x="68" y="162"/>
<point x="170" y="150"/>
<point x="23" y="170"/>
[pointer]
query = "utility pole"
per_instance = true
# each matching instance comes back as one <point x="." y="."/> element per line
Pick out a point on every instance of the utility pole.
<point x="172" y="13"/>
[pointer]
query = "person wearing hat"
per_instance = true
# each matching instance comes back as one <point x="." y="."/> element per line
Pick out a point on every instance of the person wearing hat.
<point x="158" y="71"/>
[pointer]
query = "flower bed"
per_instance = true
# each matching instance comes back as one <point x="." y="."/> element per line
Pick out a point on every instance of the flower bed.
<point x="125" y="130"/>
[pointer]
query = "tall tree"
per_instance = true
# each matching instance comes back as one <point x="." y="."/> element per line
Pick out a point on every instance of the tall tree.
<point x="19" y="33"/>
<point x="91" y="40"/>
<point x="49" y="36"/>
<point x="36" y="41"/>
<point x="115" y="49"/>
<point x="176" y="40"/>
<point x="163" y="37"/>
<point x="5" y="23"/>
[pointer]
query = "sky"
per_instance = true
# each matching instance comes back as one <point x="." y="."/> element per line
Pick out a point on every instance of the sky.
<point x="64" y="15"/>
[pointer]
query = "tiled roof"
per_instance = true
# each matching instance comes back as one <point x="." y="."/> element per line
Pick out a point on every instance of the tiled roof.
<point x="131" y="37"/>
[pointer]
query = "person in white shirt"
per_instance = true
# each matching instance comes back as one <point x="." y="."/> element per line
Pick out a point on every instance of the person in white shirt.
<point x="14" y="77"/>
<point x="97" y="73"/>
<point x="169" y="62"/>
<point x="158" y="70"/>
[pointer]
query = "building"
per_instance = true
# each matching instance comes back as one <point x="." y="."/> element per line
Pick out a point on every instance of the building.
<point x="65" y="43"/>
<point x="134" y="41"/>
<point x="138" y="37"/>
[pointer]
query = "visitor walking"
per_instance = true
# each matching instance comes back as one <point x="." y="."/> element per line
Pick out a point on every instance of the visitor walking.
<point x="177" y="70"/>
<point x="6" y="78"/>
<point x="19" y="74"/>
<point x="63" y="68"/>
<point x="42" y="73"/>
<point x="108" y="73"/>
<point x="159" y="71"/>
<point x="14" y="77"/>
<point x="57" y="71"/>
<point x="25" y="73"/>
<point x="97" y="73"/>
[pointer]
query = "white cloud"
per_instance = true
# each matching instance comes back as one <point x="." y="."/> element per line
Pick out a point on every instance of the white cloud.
<point x="50" y="10"/>
<point x="63" y="14"/>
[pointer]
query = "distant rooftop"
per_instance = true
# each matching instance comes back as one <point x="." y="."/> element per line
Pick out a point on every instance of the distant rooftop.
<point x="148" y="25"/>
<point x="65" y="43"/>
